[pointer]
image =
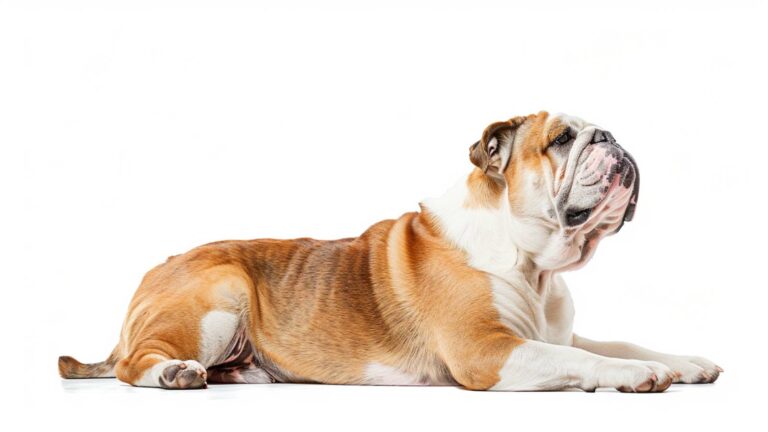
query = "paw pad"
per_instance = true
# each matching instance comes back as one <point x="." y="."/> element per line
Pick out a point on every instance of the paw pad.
<point x="184" y="376"/>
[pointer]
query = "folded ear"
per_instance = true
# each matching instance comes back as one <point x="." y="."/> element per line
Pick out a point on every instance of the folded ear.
<point x="491" y="154"/>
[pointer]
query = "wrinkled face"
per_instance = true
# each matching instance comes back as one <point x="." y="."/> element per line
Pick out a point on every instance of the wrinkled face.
<point x="568" y="184"/>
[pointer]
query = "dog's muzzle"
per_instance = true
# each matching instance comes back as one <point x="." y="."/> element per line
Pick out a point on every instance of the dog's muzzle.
<point x="601" y="167"/>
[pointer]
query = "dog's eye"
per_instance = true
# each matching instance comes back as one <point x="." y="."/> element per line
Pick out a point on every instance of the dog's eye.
<point x="562" y="139"/>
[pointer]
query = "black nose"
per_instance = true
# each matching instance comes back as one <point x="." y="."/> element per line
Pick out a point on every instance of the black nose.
<point x="602" y="136"/>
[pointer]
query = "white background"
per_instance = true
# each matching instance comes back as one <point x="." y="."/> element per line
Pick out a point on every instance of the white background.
<point x="137" y="130"/>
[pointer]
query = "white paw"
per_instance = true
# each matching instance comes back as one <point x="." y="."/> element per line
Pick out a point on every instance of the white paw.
<point x="187" y="374"/>
<point x="693" y="370"/>
<point x="635" y="376"/>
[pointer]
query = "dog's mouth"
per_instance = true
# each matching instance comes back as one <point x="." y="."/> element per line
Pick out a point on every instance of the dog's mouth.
<point x="622" y="175"/>
<point x="575" y="217"/>
<point x="619" y="188"/>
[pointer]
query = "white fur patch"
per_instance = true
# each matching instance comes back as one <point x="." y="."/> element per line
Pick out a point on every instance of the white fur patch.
<point x="543" y="313"/>
<point x="379" y="374"/>
<point x="486" y="234"/>
<point x="151" y="377"/>
<point x="690" y="369"/>
<point x="495" y="242"/>
<point x="541" y="366"/>
<point x="216" y="331"/>
<point x="538" y="366"/>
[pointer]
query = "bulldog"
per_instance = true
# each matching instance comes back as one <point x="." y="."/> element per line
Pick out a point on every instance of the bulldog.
<point x="468" y="291"/>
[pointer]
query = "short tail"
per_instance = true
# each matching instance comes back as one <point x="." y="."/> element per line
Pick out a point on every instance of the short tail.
<point x="71" y="368"/>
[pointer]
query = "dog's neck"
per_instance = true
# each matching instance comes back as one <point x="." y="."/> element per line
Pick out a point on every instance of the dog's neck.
<point x="475" y="216"/>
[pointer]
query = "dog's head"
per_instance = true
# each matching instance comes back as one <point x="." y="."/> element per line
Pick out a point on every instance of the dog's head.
<point x="568" y="184"/>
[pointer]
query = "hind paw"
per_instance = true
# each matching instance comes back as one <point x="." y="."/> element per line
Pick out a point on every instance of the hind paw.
<point x="187" y="374"/>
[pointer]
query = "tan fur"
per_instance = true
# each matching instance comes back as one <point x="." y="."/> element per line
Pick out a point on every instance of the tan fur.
<point x="485" y="183"/>
<point x="322" y="310"/>
<point x="485" y="191"/>
<point x="399" y="295"/>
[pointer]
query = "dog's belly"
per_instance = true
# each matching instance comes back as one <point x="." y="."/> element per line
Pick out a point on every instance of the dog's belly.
<point x="241" y="362"/>
<point x="381" y="374"/>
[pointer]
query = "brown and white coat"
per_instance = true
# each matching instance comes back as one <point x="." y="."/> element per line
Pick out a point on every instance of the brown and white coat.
<point x="467" y="291"/>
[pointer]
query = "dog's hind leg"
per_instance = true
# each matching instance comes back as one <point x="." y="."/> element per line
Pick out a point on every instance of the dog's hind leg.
<point x="165" y="354"/>
<point x="181" y="323"/>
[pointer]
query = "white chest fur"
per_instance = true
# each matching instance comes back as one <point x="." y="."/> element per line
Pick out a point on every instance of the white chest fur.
<point x="543" y="313"/>
<point x="536" y="305"/>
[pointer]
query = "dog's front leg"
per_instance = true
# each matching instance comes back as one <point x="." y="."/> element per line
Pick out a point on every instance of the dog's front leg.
<point x="687" y="369"/>
<point x="535" y="365"/>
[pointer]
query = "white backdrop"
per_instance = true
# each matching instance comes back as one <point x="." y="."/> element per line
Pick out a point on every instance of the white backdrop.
<point x="131" y="131"/>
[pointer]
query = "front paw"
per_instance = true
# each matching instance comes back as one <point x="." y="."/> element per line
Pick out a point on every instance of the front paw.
<point x="635" y="376"/>
<point x="693" y="370"/>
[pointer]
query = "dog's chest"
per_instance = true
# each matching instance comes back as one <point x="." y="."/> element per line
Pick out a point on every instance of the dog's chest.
<point x="543" y="313"/>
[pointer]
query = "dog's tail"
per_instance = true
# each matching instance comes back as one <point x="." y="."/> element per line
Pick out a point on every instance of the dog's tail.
<point x="71" y="368"/>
